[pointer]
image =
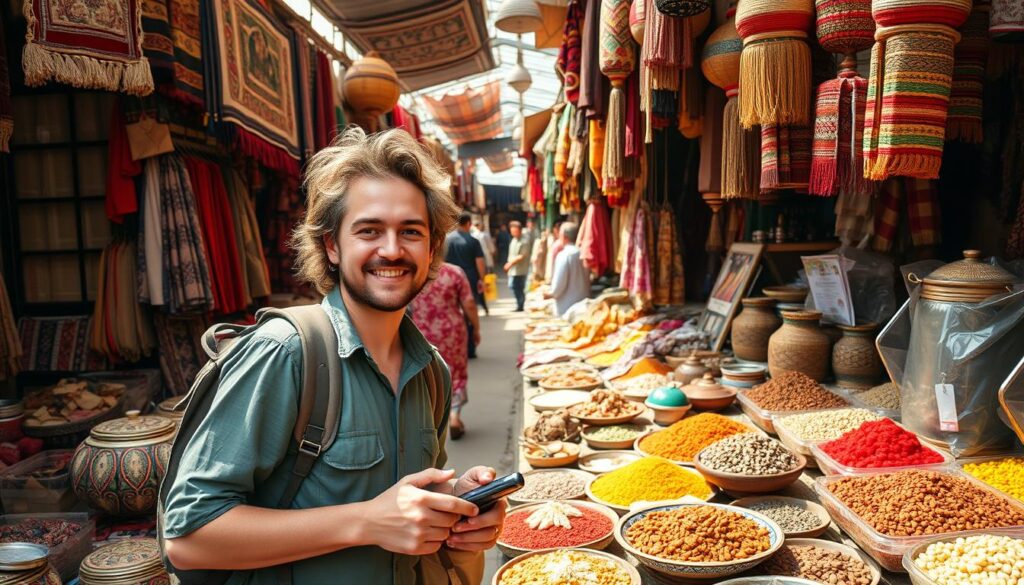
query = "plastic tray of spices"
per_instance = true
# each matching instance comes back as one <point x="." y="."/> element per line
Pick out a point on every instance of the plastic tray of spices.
<point x="830" y="466"/>
<point x="960" y="463"/>
<point x="794" y="443"/>
<point x="851" y="396"/>
<point x="887" y="550"/>
<point x="68" y="555"/>
<point x="765" y="419"/>
<point x="918" y="576"/>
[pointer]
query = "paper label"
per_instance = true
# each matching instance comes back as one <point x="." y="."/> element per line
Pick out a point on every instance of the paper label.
<point x="945" y="399"/>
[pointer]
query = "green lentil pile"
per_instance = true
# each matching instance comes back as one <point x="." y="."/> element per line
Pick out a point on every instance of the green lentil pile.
<point x="614" y="432"/>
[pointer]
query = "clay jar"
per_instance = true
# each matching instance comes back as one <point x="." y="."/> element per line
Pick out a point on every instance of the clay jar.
<point x="118" y="468"/>
<point x="752" y="328"/>
<point x="692" y="367"/>
<point x="855" y="361"/>
<point x="799" y="345"/>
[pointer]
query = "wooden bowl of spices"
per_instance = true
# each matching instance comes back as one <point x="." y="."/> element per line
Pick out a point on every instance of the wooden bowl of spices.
<point x="556" y="524"/>
<point x="853" y="564"/>
<point x="551" y="454"/>
<point x="607" y="461"/>
<point x="553" y="567"/>
<point x="684" y="540"/>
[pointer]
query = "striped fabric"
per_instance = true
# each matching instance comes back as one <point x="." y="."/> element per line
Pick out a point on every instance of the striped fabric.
<point x="922" y="212"/>
<point x="966" y="96"/>
<point x="837" y="163"/>
<point x="844" y="26"/>
<point x="469" y="116"/>
<point x="785" y="157"/>
<point x="950" y="13"/>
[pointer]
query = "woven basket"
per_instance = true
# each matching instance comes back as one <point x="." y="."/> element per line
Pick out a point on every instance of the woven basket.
<point x="844" y="26"/>
<point x="777" y="18"/>
<point x="618" y="51"/>
<point x="682" y="7"/>
<point x="951" y="13"/>
<point x="720" y="60"/>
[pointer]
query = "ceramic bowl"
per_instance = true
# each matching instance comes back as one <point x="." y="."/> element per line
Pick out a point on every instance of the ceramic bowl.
<point x="571" y="453"/>
<point x="634" y="576"/>
<point x="595" y="381"/>
<point x="607" y="420"/>
<point x="876" y="571"/>
<point x="787" y="293"/>
<point x="691" y="570"/>
<point x="743" y="375"/>
<point x="605" y="461"/>
<point x="667" y="415"/>
<point x="706" y="394"/>
<point x="556" y="399"/>
<point x="596" y="544"/>
<point x="513" y="500"/>
<point x="541" y="371"/>
<point x="750" y="484"/>
<point x="817" y="509"/>
<point x="621" y="444"/>
<point x="625" y="509"/>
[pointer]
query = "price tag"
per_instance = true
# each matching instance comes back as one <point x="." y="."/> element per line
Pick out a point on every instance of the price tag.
<point x="945" y="399"/>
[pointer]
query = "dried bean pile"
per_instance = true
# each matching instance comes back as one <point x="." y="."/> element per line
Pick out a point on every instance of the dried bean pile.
<point x="818" y="564"/>
<point x="748" y="454"/>
<point x="698" y="534"/>
<point x="558" y="485"/>
<point x="793" y="391"/>
<point x="789" y="517"/>
<point x="917" y="503"/>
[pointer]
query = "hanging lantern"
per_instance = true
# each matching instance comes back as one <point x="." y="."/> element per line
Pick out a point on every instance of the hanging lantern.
<point x="1006" y="23"/>
<point x="912" y="92"/>
<point x="967" y="94"/>
<point x="519" y="17"/>
<point x="638" y="20"/>
<point x="520" y="79"/>
<point x="741" y="149"/>
<point x="837" y="163"/>
<point x="682" y="7"/>
<point x="775" y="65"/>
<point x="617" y="59"/>
<point x="371" y="86"/>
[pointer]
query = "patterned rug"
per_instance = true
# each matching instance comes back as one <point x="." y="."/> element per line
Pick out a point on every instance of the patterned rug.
<point x="180" y="354"/>
<point x="96" y="45"/>
<point x="256" y="89"/>
<point x="157" y="45"/>
<point x="58" y="344"/>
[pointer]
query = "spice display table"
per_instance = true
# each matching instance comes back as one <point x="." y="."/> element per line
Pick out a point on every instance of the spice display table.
<point x="803" y="489"/>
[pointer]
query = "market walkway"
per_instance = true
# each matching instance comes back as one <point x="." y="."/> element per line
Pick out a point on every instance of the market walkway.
<point x="491" y="414"/>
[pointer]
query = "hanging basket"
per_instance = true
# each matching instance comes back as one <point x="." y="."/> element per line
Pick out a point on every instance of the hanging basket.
<point x="951" y="13"/>
<point x="844" y="26"/>
<point x="682" y="7"/>
<point x="371" y="86"/>
<point x="519" y="17"/>
<point x="720" y="59"/>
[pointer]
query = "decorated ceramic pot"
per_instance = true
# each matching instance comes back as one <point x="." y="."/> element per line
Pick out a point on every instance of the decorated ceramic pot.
<point x="692" y="367"/>
<point x="135" y="561"/>
<point x="855" y="360"/>
<point x="23" y="563"/>
<point x="800" y="345"/>
<point x="752" y="328"/>
<point x="119" y="467"/>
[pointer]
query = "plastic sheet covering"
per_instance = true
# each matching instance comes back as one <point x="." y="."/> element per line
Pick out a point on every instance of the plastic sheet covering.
<point x="871" y="284"/>
<point x="973" y="347"/>
<point x="1011" y="399"/>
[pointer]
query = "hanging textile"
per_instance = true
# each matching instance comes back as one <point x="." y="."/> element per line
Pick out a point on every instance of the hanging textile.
<point x="785" y="157"/>
<point x="617" y="60"/>
<point x="636" y="268"/>
<point x="843" y="27"/>
<point x="908" y="91"/>
<point x="966" y="97"/>
<point x="253" y="69"/>
<point x="919" y="198"/>
<point x="854" y="217"/>
<point x="326" y="125"/>
<point x="741" y="148"/>
<point x="594" y="87"/>
<point x="10" y="345"/>
<point x="1006" y="22"/>
<point x="595" y="152"/>
<point x="536" y="189"/>
<point x="256" y="277"/>
<point x="57" y="344"/>
<point x="562" y="143"/>
<point x="122" y="331"/>
<point x="624" y="232"/>
<point x="121" y="170"/>
<point x="6" y="108"/>
<point x="96" y="46"/>
<point x="775" y="66"/>
<point x="157" y="45"/>
<point x="570" y="53"/>
<point x="634" y="141"/>
<point x="150" y="263"/>
<point x="181" y="356"/>
<point x="186" y="34"/>
<point x="664" y="233"/>
<point x="594" y="239"/>
<point x="470" y="116"/>
<point x="218" y="235"/>
<point x="305" y="73"/>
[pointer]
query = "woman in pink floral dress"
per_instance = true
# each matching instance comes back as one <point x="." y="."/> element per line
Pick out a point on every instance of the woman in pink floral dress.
<point x="440" y="311"/>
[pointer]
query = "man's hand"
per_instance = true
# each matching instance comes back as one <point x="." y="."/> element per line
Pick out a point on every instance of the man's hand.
<point x="479" y="533"/>
<point x="408" y="519"/>
<point x="508" y="265"/>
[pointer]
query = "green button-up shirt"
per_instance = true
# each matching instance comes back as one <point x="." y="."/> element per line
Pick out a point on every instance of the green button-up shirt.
<point x="243" y="452"/>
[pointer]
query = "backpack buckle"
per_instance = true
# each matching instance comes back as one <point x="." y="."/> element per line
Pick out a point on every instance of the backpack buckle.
<point x="310" y="448"/>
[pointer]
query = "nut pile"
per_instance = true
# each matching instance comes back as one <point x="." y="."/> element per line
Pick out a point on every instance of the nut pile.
<point x="789" y="517"/>
<point x="818" y="564"/>
<point x="698" y="534"/>
<point x="605" y="404"/>
<point x="748" y="454"/>
<point x="884" y="396"/>
<point x="554" y="485"/>
<point x="986" y="558"/>
<point x="793" y="391"/>
<point x="825" y="425"/>
<point x="917" y="503"/>
<point x="553" y="425"/>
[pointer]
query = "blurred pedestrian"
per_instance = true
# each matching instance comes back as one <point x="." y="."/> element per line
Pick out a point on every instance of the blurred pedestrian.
<point x="570" y="280"/>
<point x="518" y="264"/>
<point x="466" y="252"/>
<point x="502" y="239"/>
<point x="486" y="243"/>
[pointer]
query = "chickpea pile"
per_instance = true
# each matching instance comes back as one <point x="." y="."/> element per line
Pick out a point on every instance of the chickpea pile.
<point x="918" y="503"/>
<point x="985" y="558"/>
<point x="698" y="534"/>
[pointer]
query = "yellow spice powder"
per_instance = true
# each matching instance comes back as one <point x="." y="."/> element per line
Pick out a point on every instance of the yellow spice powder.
<point x="651" y="479"/>
<point x="684" y="439"/>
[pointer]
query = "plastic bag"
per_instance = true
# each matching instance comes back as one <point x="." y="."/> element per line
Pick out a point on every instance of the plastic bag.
<point x="871" y="284"/>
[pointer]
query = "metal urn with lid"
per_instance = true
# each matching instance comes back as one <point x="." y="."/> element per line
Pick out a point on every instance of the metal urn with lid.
<point x="966" y="332"/>
<point x="135" y="561"/>
<point x="23" y="563"/>
<point x="118" y="468"/>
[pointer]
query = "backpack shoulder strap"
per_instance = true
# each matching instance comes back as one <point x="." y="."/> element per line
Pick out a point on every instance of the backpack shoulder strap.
<point x="316" y="425"/>
<point x="435" y="386"/>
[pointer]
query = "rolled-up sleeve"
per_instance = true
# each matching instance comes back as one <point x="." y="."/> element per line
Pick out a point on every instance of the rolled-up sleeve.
<point x="246" y="434"/>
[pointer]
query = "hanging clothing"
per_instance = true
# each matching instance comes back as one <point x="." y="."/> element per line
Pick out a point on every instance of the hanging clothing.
<point x="594" y="239"/>
<point x="594" y="87"/>
<point x="122" y="330"/>
<point x="636" y="269"/>
<point x="256" y="283"/>
<point x="150" y="261"/>
<point x="121" y="170"/>
<point x="569" y="55"/>
<point x="326" y="124"/>
<point x="10" y="345"/>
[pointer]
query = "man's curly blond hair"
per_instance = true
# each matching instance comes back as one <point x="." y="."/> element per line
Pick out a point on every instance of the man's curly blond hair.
<point x="354" y="155"/>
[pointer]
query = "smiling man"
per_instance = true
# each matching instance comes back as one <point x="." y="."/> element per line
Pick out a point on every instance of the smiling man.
<point x="377" y="507"/>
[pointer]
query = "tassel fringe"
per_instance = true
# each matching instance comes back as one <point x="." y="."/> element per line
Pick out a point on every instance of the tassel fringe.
<point x="269" y="155"/>
<point x="741" y="156"/>
<point x="965" y="130"/>
<point x="904" y="165"/>
<point x="42" y="65"/>
<point x="615" y="129"/>
<point x="776" y="77"/>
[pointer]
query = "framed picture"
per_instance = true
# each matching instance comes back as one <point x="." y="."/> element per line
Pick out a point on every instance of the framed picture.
<point x="738" y="272"/>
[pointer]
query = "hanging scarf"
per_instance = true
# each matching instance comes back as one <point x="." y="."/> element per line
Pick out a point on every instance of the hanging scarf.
<point x="636" y="269"/>
<point x="595" y="238"/>
<point x="218" y="235"/>
<point x="189" y="85"/>
<point x="569" y="55"/>
<point x="966" y="96"/>
<point x="663" y="256"/>
<point x="593" y="85"/>
<point x="156" y="41"/>
<point x="785" y="157"/>
<point x="121" y="170"/>
<point x="326" y="127"/>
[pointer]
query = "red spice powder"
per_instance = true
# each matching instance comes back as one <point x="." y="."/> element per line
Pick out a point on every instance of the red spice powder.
<point x="589" y="527"/>
<point x="880" y="443"/>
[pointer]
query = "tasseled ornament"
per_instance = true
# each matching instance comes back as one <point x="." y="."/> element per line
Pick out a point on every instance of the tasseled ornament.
<point x="618" y="57"/>
<point x="966" y="96"/>
<point x="837" y="161"/>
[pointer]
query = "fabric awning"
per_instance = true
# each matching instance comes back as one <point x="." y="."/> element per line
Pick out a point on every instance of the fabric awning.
<point x="470" y="116"/>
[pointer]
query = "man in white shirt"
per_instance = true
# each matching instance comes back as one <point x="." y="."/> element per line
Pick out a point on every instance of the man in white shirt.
<point x="487" y="243"/>
<point x="570" y="280"/>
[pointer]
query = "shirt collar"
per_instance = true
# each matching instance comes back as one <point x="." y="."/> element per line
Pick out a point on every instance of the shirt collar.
<point x="413" y="342"/>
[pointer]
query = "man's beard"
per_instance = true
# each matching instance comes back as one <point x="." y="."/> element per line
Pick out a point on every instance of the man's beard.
<point x="366" y="296"/>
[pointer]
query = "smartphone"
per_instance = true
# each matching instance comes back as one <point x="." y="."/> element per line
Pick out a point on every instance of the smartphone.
<point x="485" y="497"/>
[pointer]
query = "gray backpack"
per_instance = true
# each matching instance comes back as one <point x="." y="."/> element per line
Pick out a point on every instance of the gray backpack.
<point x="319" y="409"/>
